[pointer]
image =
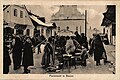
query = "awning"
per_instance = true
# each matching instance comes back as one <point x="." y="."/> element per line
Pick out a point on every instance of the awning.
<point x="29" y="27"/>
<point x="51" y="25"/>
<point x="65" y="32"/>
<point x="11" y="25"/>
<point x="5" y="26"/>
<point x="105" y="22"/>
<point x="20" y="26"/>
<point x="17" y="25"/>
<point x="40" y="23"/>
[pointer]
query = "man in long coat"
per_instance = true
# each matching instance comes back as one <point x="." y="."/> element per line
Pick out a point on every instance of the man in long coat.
<point x="27" y="55"/>
<point x="84" y="40"/>
<point x="17" y="52"/>
<point x="78" y="38"/>
<point x="98" y="49"/>
<point x="6" y="59"/>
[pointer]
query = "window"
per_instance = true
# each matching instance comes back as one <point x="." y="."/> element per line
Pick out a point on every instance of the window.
<point x="58" y="28"/>
<point x="28" y="32"/>
<point x="15" y="12"/>
<point x="21" y="14"/>
<point x="77" y="28"/>
<point x="67" y="17"/>
<point x="67" y="28"/>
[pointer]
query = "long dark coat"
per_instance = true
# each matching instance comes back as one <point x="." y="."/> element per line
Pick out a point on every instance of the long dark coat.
<point x="17" y="52"/>
<point x="84" y="41"/>
<point x="48" y="50"/>
<point x="98" y="48"/>
<point x="78" y="38"/>
<point x="6" y="60"/>
<point x="27" y="55"/>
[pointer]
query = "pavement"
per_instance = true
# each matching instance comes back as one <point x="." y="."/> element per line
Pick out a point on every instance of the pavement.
<point x="91" y="68"/>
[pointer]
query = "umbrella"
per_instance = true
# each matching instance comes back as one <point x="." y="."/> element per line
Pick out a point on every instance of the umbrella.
<point x="65" y="32"/>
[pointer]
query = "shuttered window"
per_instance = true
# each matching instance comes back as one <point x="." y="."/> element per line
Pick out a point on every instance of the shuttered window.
<point x="15" y="12"/>
<point x="21" y="14"/>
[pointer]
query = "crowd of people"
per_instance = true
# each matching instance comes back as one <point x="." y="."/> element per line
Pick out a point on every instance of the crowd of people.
<point x="24" y="47"/>
<point x="22" y="52"/>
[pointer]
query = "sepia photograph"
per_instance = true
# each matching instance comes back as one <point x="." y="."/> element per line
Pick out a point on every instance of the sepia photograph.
<point x="59" y="39"/>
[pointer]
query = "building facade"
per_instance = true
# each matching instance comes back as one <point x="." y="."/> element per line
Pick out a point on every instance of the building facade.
<point x="109" y="23"/>
<point x="68" y="17"/>
<point x="17" y="18"/>
<point x="41" y="26"/>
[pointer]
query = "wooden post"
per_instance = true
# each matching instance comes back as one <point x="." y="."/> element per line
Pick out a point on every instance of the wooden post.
<point x="80" y="29"/>
<point x="85" y="22"/>
<point x="54" y="49"/>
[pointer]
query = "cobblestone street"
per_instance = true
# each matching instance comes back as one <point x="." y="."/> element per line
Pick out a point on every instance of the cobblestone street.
<point x="89" y="69"/>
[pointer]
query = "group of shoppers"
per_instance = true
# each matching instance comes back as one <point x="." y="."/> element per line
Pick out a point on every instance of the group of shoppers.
<point x="22" y="51"/>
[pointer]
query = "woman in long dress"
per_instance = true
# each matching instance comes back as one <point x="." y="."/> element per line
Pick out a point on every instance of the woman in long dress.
<point x="48" y="50"/>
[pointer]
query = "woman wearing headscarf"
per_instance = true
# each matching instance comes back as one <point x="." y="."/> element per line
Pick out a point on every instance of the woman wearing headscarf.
<point x="70" y="47"/>
<point x="48" y="50"/>
<point x="27" y="55"/>
<point x="78" y="47"/>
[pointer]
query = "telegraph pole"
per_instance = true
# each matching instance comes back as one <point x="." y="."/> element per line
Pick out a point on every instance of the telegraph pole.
<point x="85" y="22"/>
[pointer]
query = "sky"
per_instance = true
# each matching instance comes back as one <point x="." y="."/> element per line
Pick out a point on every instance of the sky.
<point x="94" y="13"/>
